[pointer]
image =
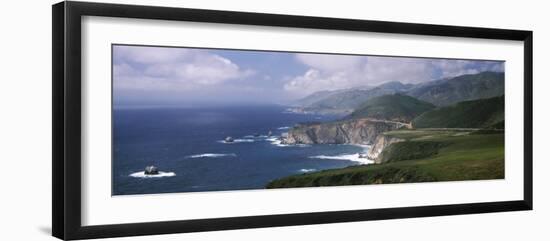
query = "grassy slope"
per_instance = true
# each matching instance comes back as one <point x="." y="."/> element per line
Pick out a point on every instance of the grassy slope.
<point x="460" y="156"/>
<point x="395" y="107"/>
<point x="482" y="113"/>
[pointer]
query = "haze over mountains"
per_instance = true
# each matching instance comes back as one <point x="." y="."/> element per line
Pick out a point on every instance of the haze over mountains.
<point x="441" y="92"/>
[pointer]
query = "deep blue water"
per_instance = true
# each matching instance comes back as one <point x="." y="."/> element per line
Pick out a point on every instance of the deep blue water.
<point x="174" y="140"/>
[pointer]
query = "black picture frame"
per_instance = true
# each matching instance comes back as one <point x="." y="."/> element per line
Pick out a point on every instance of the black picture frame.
<point x="66" y="128"/>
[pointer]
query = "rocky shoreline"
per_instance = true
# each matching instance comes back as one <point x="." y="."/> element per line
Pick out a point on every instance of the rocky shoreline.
<point x="354" y="131"/>
<point x="382" y="141"/>
<point x="365" y="131"/>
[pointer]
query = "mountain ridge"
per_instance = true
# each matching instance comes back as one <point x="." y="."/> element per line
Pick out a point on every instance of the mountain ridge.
<point x="441" y="92"/>
<point x="395" y="107"/>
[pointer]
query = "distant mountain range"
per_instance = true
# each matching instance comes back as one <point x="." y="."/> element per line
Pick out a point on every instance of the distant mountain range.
<point x="441" y="92"/>
<point x="461" y="88"/>
<point x="320" y="95"/>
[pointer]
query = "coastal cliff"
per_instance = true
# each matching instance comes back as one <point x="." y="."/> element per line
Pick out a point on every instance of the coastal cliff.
<point x="355" y="131"/>
<point x="422" y="156"/>
<point x="380" y="143"/>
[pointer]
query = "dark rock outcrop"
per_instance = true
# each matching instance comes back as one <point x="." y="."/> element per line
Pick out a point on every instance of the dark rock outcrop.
<point x="151" y="170"/>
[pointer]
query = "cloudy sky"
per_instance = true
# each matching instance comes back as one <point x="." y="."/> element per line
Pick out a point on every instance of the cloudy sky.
<point x="159" y="76"/>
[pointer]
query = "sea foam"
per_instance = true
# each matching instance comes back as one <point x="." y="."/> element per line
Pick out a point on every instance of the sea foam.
<point x="236" y="141"/>
<point x="348" y="157"/>
<point x="305" y="170"/>
<point x="276" y="140"/>
<point x="161" y="174"/>
<point x="212" y="155"/>
<point x="255" y="136"/>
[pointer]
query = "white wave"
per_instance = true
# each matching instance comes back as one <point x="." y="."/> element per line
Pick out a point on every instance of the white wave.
<point x="237" y="141"/>
<point x="161" y="174"/>
<point x="308" y="170"/>
<point x="255" y="136"/>
<point x="348" y="157"/>
<point x="243" y="140"/>
<point x="213" y="155"/>
<point x="283" y="128"/>
<point x="276" y="140"/>
<point x="273" y="138"/>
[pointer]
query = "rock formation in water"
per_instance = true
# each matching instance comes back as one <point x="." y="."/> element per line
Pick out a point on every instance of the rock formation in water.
<point x="151" y="170"/>
<point x="357" y="131"/>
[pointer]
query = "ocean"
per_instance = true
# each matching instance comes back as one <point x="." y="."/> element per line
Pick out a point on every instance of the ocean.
<point x="188" y="147"/>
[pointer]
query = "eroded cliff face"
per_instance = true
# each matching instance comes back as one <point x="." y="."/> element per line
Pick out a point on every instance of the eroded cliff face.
<point x="355" y="131"/>
<point x="380" y="143"/>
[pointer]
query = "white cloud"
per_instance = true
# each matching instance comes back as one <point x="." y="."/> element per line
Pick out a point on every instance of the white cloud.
<point x="315" y="80"/>
<point x="326" y="72"/>
<point x="451" y="68"/>
<point x="148" y="55"/>
<point x="407" y="70"/>
<point x="330" y="72"/>
<point x="330" y="63"/>
<point x="156" y="68"/>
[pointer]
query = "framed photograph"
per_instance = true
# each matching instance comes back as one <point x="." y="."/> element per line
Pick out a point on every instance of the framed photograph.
<point x="170" y="120"/>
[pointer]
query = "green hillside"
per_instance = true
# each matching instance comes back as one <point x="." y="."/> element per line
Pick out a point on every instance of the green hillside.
<point x="482" y="113"/>
<point x="425" y="156"/>
<point x="396" y="107"/>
